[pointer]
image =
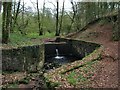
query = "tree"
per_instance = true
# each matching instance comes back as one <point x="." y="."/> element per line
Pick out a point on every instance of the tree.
<point x="18" y="20"/>
<point x="61" y="17"/>
<point x="39" y="24"/>
<point x="43" y="13"/>
<point x="16" y="12"/>
<point x="23" y="10"/>
<point x="6" y="23"/>
<point x="57" y="19"/>
<point x="74" y="8"/>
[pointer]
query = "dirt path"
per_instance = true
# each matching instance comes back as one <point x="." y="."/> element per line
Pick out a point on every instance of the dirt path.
<point x="107" y="70"/>
<point x="106" y="75"/>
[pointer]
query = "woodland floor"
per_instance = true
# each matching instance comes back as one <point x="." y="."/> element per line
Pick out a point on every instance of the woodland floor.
<point x="106" y="75"/>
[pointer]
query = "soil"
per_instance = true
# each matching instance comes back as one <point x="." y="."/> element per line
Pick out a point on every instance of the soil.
<point x="107" y="70"/>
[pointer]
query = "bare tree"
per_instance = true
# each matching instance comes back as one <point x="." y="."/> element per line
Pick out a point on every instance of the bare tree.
<point x="16" y="12"/>
<point x="6" y="23"/>
<point x="61" y="21"/>
<point x="39" y="24"/>
<point x="57" y="19"/>
<point x="74" y="8"/>
<point x="21" y="28"/>
<point x="23" y="10"/>
<point x="43" y="13"/>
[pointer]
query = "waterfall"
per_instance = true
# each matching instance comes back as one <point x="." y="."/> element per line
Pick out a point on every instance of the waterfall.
<point x="57" y="55"/>
<point x="57" y="52"/>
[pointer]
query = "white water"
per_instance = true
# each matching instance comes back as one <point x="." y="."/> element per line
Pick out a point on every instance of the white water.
<point x="57" y="55"/>
<point x="57" y="52"/>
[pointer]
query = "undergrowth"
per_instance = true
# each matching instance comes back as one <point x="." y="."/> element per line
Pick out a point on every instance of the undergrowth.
<point x="81" y="75"/>
<point x="17" y="39"/>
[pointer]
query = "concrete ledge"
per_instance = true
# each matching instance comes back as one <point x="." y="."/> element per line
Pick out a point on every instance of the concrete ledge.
<point x="29" y="58"/>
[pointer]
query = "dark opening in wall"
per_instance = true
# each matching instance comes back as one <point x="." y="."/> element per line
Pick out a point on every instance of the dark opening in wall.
<point x="64" y="51"/>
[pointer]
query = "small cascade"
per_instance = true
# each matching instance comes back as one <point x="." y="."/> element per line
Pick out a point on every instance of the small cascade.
<point x="57" y="55"/>
<point x="57" y="52"/>
<point x="58" y="59"/>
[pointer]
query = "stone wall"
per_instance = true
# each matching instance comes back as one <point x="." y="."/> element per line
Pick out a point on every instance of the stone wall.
<point x="79" y="48"/>
<point x="29" y="58"/>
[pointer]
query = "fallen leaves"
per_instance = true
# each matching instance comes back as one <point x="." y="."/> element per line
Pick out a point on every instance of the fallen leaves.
<point x="72" y="79"/>
<point x="10" y="78"/>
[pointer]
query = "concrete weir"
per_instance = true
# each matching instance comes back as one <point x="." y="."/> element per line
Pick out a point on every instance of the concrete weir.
<point x="28" y="58"/>
<point x="34" y="58"/>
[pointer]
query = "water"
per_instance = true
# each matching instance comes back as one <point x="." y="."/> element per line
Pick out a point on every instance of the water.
<point x="58" y="60"/>
<point x="57" y="52"/>
<point x="57" y="55"/>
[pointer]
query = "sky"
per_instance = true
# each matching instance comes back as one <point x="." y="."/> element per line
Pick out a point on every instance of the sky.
<point x="67" y="7"/>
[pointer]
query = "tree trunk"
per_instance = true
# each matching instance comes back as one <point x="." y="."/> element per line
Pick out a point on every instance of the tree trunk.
<point x="22" y="18"/>
<point x="74" y="14"/>
<point x="42" y="19"/>
<point x="61" y="18"/>
<point x="39" y="24"/>
<point x="6" y="24"/>
<point x="16" y="12"/>
<point x="57" y="20"/>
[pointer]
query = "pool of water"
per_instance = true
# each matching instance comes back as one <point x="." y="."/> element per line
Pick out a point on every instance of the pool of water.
<point x="57" y="61"/>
